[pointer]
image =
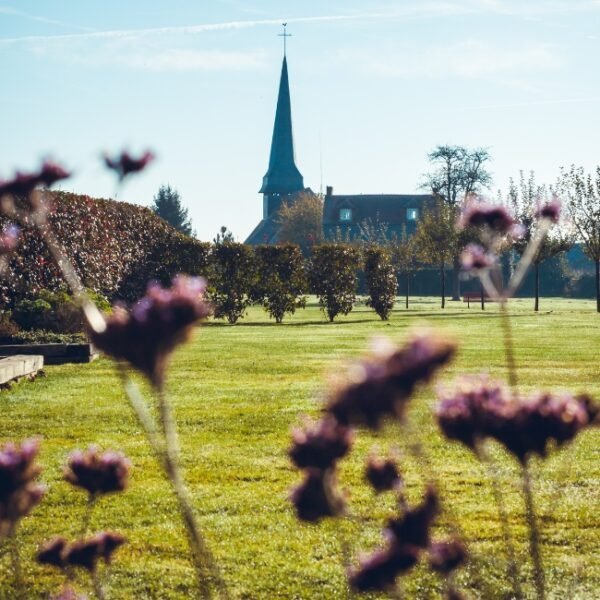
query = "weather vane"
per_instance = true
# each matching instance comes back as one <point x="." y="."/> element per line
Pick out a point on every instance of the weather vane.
<point x="284" y="35"/>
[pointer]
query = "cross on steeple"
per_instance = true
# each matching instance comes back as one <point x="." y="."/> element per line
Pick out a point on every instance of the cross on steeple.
<point x="284" y="35"/>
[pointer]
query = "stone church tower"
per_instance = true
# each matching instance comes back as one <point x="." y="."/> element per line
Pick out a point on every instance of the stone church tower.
<point x="282" y="180"/>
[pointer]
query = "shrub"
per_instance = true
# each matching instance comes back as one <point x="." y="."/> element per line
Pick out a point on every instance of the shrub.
<point x="381" y="281"/>
<point x="233" y="279"/>
<point x="333" y="277"/>
<point x="8" y="328"/>
<point x="281" y="280"/>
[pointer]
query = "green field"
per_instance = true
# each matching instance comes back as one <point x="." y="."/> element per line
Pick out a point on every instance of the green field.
<point x="237" y="390"/>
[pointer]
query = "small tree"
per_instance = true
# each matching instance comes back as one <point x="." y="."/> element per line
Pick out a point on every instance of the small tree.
<point x="167" y="205"/>
<point x="525" y="198"/>
<point x="300" y="221"/>
<point x="404" y="258"/>
<point x="223" y="236"/>
<point x="234" y="274"/>
<point x="436" y="239"/>
<point x="583" y="194"/>
<point x="458" y="172"/>
<point x="333" y="277"/>
<point x="381" y="280"/>
<point x="282" y="280"/>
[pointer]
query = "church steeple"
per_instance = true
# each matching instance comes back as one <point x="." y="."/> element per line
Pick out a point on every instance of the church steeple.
<point x="282" y="177"/>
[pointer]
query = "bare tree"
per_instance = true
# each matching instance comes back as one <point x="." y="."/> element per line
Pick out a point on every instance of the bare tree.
<point x="583" y="194"/>
<point x="458" y="172"/>
<point x="404" y="258"/>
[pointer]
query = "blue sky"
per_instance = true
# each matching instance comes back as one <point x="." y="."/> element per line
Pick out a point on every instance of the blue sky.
<point x="375" y="85"/>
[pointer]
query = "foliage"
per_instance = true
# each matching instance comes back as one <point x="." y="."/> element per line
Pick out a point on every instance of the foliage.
<point x="115" y="248"/>
<point x="436" y="239"/>
<point x="282" y="279"/>
<point x="39" y="336"/>
<point x="167" y="205"/>
<point x="583" y="194"/>
<point x="381" y="281"/>
<point x="223" y="236"/>
<point x="333" y="277"/>
<point x="55" y="312"/>
<point x="404" y="253"/>
<point x="233" y="279"/>
<point x="300" y="221"/>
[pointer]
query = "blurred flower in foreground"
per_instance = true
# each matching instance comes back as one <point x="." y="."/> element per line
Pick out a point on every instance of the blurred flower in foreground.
<point x="22" y="184"/>
<point x="87" y="552"/>
<point x="317" y="496"/>
<point x="321" y="445"/>
<point x="68" y="593"/>
<point x="483" y="214"/>
<point x="445" y="557"/>
<point x="479" y="408"/>
<point x="383" y="474"/>
<point x="52" y="553"/>
<point x="98" y="473"/>
<point x="549" y="210"/>
<point x="125" y="164"/>
<point x="381" y="385"/>
<point x="146" y="335"/>
<point x="19" y="493"/>
<point x="475" y="258"/>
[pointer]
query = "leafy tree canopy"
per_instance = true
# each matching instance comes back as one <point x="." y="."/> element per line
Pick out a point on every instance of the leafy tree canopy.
<point x="167" y="205"/>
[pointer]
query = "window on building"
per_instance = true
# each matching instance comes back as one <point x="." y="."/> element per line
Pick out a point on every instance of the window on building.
<point x="412" y="214"/>
<point x="345" y="214"/>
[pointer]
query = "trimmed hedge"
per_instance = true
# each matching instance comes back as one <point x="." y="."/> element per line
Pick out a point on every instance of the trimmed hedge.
<point x="380" y="277"/>
<point x="116" y="248"/>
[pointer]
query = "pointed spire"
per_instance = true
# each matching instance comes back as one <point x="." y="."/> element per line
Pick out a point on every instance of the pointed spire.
<point x="282" y="177"/>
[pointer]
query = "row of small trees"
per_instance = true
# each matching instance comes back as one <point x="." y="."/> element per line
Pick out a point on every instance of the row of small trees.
<point x="278" y="277"/>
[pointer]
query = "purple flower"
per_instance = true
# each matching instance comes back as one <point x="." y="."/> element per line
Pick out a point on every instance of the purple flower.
<point x="19" y="493"/>
<point x="378" y="572"/>
<point x="22" y="184"/>
<point x="317" y="497"/>
<point x="87" y="552"/>
<point x="445" y="557"/>
<point x="413" y="527"/>
<point x="146" y="335"/>
<point x="125" y="164"/>
<point x="98" y="473"/>
<point x="475" y="258"/>
<point x="68" y="593"/>
<point x="52" y="553"/>
<point x="322" y="445"/>
<point x="381" y="386"/>
<point x="549" y="210"/>
<point x="383" y="474"/>
<point x="483" y="214"/>
<point x="9" y="239"/>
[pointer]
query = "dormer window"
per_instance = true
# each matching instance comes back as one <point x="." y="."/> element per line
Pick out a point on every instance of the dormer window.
<point x="345" y="214"/>
<point x="412" y="214"/>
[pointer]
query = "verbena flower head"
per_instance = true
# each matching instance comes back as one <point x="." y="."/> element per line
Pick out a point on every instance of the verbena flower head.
<point x="52" y="553"/>
<point x="381" y="385"/>
<point x="378" y="572"/>
<point x="22" y="184"/>
<point x="9" y="240"/>
<point x="549" y="210"/>
<point x="495" y="217"/>
<point x="146" y="335"/>
<point x="413" y="527"/>
<point x="19" y="492"/>
<point x="383" y="474"/>
<point x="317" y="496"/>
<point x="475" y="258"/>
<point x="87" y="552"/>
<point x="125" y="164"/>
<point x="445" y="557"/>
<point x="321" y="445"/>
<point x="98" y="473"/>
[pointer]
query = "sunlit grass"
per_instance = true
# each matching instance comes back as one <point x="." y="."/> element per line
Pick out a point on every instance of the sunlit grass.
<point x="237" y="390"/>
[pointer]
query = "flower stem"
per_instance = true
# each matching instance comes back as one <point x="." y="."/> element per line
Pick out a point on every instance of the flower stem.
<point x="509" y="348"/>
<point x="15" y="556"/>
<point x="513" y="570"/>
<point x="87" y="516"/>
<point x="98" y="591"/>
<point x="534" y="534"/>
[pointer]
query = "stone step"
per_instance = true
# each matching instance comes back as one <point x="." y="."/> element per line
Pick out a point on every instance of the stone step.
<point x="21" y="365"/>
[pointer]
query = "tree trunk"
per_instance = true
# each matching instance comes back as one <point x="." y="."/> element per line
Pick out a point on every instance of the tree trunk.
<point x="443" y="276"/>
<point x="598" y="285"/>
<point x="408" y="286"/>
<point x="482" y="298"/>
<point x="536" y="268"/>
<point x="456" y="278"/>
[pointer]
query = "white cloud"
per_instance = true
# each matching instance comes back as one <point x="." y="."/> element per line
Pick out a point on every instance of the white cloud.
<point x="8" y="10"/>
<point x="470" y="59"/>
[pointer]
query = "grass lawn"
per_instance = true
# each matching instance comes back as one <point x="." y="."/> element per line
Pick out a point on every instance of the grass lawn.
<point x="237" y="390"/>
